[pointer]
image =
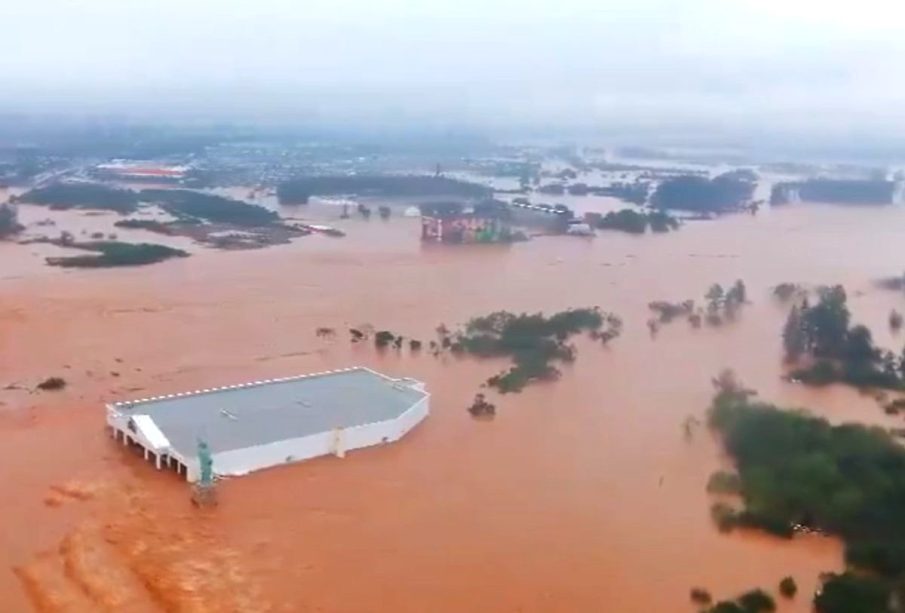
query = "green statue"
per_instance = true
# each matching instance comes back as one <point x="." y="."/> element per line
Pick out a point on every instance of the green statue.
<point x="207" y="464"/>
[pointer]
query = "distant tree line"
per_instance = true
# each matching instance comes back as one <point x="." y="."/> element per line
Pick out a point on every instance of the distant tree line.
<point x="63" y="196"/>
<point x="633" y="222"/>
<point x="9" y="221"/>
<point x="298" y="191"/>
<point x="635" y="193"/>
<point x="834" y="191"/>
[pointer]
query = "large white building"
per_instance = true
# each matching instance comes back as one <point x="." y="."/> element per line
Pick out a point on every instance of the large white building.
<point x="267" y="423"/>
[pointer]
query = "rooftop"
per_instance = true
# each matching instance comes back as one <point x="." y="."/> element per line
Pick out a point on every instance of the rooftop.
<point x="261" y="412"/>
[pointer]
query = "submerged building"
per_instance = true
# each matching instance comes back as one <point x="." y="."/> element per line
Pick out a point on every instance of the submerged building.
<point x="454" y="222"/>
<point x="256" y="425"/>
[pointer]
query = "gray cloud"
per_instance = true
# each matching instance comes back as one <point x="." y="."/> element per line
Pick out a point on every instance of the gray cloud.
<point x="794" y="62"/>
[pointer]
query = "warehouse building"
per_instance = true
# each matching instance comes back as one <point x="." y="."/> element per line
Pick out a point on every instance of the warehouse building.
<point x="256" y="425"/>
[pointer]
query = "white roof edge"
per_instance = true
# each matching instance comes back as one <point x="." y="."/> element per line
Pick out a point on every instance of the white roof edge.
<point x="130" y="404"/>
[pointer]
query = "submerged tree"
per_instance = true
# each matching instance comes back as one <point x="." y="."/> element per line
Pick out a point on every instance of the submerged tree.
<point x="9" y="220"/>
<point x="714" y="297"/>
<point x="788" y="587"/>
<point x="895" y="320"/>
<point x="738" y="293"/>
<point x="794" y="339"/>
<point x="826" y="323"/>
<point x="838" y="352"/>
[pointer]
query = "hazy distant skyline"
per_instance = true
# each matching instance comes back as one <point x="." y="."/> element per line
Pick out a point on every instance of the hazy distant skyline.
<point x="826" y="65"/>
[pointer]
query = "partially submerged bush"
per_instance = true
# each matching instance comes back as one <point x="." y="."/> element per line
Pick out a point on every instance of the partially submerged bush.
<point x="532" y="341"/>
<point x="481" y="407"/>
<point x="384" y="338"/>
<point x="701" y="597"/>
<point x="667" y="311"/>
<point x="788" y="587"/>
<point x="52" y="384"/>
<point x="757" y="601"/>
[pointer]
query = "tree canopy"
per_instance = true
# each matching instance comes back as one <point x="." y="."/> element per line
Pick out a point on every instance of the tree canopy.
<point x="838" y="351"/>
<point x="9" y="220"/>
<point x="83" y="196"/>
<point x="533" y="341"/>
<point x="634" y="222"/>
<point x="799" y="471"/>
<point x="726" y="192"/>
<point x="189" y="204"/>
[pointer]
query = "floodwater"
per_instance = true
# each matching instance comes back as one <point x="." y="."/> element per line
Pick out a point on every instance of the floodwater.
<point x="582" y="495"/>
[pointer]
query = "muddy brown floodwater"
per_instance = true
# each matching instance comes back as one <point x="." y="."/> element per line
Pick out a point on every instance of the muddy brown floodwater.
<point x="582" y="495"/>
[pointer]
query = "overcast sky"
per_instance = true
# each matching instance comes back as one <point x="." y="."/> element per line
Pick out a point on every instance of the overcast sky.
<point x="823" y="63"/>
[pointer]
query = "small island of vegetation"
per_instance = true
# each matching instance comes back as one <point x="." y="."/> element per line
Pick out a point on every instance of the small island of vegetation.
<point x="820" y="341"/>
<point x="533" y="342"/>
<point x="797" y="472"/>
<point x="113" y="253"/>
<point x="728" y="192"/>
<point x="721" y="305"/>
<point x="633" y="222"/>
<point x="224" y="223"/>
<point x="151" y="225"/>
<point x="62" y="196"/>
<point x="184" y="204"/>
<point x="188" y="205"/>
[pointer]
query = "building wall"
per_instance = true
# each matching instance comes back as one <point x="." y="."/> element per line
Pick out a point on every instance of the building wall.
<point x="243" y="461"/>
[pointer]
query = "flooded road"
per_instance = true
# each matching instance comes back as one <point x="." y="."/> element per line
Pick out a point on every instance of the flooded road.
<point x="582" y="495"/>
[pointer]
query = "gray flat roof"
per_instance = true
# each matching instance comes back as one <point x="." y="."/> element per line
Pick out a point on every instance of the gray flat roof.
<point x="262" y="412"/>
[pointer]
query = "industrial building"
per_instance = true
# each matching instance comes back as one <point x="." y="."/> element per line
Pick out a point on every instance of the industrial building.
<point x="142" y="171"/>
<point x="256" y="425"/>
<point x="455" y="222"/>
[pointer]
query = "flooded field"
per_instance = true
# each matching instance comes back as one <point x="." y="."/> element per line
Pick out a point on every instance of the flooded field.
<point x="582" y="495"/>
